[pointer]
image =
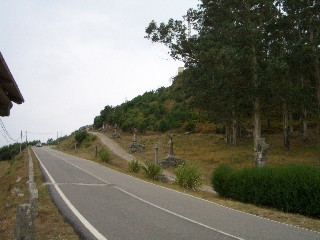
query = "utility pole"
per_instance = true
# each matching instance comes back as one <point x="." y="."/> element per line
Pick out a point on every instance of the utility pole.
<point x="26" y="140"/>
<point x="20" y="141"/>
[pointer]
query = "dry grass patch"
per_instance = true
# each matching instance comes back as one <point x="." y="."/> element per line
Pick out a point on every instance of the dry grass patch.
<point x="13" y="176"/>
<point x="208" y="151"/>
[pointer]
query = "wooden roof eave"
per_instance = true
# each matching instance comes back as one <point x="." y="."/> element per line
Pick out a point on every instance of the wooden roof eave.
<point x="8" y="84"/>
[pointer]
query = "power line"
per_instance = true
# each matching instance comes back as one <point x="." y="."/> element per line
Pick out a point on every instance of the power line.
<point x="5" y="137"/>
<point x="6" y="132"/>
<point x="39" y="133"/>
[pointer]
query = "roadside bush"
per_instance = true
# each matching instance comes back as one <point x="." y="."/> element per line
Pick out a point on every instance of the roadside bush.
<point x="104" y="155"/>
<point x="88" y="140"/>
<point x="134" y="166"/>
<point x="80" y="136"/>
<point x="292" y="189"/>
<point x="152" y="171"/>
<point x="188" y="176"/>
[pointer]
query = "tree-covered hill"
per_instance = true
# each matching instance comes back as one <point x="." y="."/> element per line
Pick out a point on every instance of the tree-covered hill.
<point x="175" y="108"/>
<point x="251" y="67"/>
<point x="160" y="110"/>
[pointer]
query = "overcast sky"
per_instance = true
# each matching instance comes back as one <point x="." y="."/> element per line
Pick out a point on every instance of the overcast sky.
<point x="70" y="58"/>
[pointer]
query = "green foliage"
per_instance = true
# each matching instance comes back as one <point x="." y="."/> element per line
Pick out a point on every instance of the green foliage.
<point x="80" y="136"/>
<point x="159" y="110"/>
<point x="233" y="58"/>
<point x="190" y="126"/>
<point x="188" y="176"/>
<point x="152" y="171"/>
<point x="50" y="141"/>
<point x="134" y="166"/>
<point x="104" y="155"/>
<point x="292" y="188"/>
<point x="10" y="151"/>
<point x="88" y="140"/>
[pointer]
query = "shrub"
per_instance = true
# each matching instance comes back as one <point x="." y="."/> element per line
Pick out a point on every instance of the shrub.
<point x="134" y="166"/>
<point x="87" y="141"/>
<point x="104" y="155"/>
<point x="152" y="171"/>
<point x="291" y="188"/>
<point x="163" y="126"/>
<point x="80" y="136"/>
<point x="190" y="126"/>
<point x="188" y="176"/>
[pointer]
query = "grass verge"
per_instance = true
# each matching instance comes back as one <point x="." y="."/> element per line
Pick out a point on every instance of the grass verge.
<point x="49" y="224"/>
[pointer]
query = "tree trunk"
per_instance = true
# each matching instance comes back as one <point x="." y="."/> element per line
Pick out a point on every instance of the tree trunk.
<point x="304" y="124"/>
<point x="234" y="129"/>
<point x="256" y="121"/>
<point x="286" y="127"/>
<point x="291" y="122"/>
<point x="227" y="137"/>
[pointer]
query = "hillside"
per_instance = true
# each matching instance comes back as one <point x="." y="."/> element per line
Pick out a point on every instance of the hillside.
<point x="175" y="109"/>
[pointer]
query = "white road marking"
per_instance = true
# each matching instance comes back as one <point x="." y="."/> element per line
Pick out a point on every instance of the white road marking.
<point x="82" y="219"/>
<point x="80" y="184"/>
<point x="151" y="204"/>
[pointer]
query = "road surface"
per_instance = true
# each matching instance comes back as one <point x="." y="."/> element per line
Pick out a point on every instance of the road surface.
<point x="104" y="204"/>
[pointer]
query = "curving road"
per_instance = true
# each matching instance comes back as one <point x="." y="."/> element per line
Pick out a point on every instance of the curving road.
<point x="104" y="204"/>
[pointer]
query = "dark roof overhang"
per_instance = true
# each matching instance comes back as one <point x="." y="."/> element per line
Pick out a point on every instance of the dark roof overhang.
<point x="9" y="91"/>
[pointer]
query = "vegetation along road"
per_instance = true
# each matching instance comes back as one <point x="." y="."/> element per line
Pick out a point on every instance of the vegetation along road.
<point x="104" y="204"/>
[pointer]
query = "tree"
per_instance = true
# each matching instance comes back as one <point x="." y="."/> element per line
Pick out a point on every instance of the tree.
<point x="227" y="53"/>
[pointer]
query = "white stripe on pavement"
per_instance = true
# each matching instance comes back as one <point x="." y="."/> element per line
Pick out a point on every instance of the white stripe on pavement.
<point x="82" y="219"/>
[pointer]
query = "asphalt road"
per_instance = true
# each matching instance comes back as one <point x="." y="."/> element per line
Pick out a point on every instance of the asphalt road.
<point x="104" y="204"/>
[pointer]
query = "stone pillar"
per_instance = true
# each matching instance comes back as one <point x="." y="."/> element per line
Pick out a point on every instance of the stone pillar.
<point x="31" y="173"/>
<point x="24" y="229"/>
<point x="33" y="199"/>
<point x="156" y="154"/>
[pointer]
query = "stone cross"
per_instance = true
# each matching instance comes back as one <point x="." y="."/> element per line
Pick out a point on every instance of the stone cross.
<point x="134" y="136"/>
<point x="171" y="145"/>
<point x="261" y="152"/>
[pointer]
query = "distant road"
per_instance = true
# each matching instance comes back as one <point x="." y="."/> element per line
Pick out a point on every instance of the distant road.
<point x="104" y="204"/>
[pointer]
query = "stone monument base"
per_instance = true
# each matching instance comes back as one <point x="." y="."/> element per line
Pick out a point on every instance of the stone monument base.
<point x="171" y="161"/>
<point x="136" y="147"/>
<point x="115" y="135"/>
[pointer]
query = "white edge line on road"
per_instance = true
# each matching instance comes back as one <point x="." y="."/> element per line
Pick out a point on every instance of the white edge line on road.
<point x="82" y="219"/>
<point x="151" y="204"/>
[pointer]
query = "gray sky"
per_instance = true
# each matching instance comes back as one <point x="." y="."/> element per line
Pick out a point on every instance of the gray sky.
<point x="70" y="58"/>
